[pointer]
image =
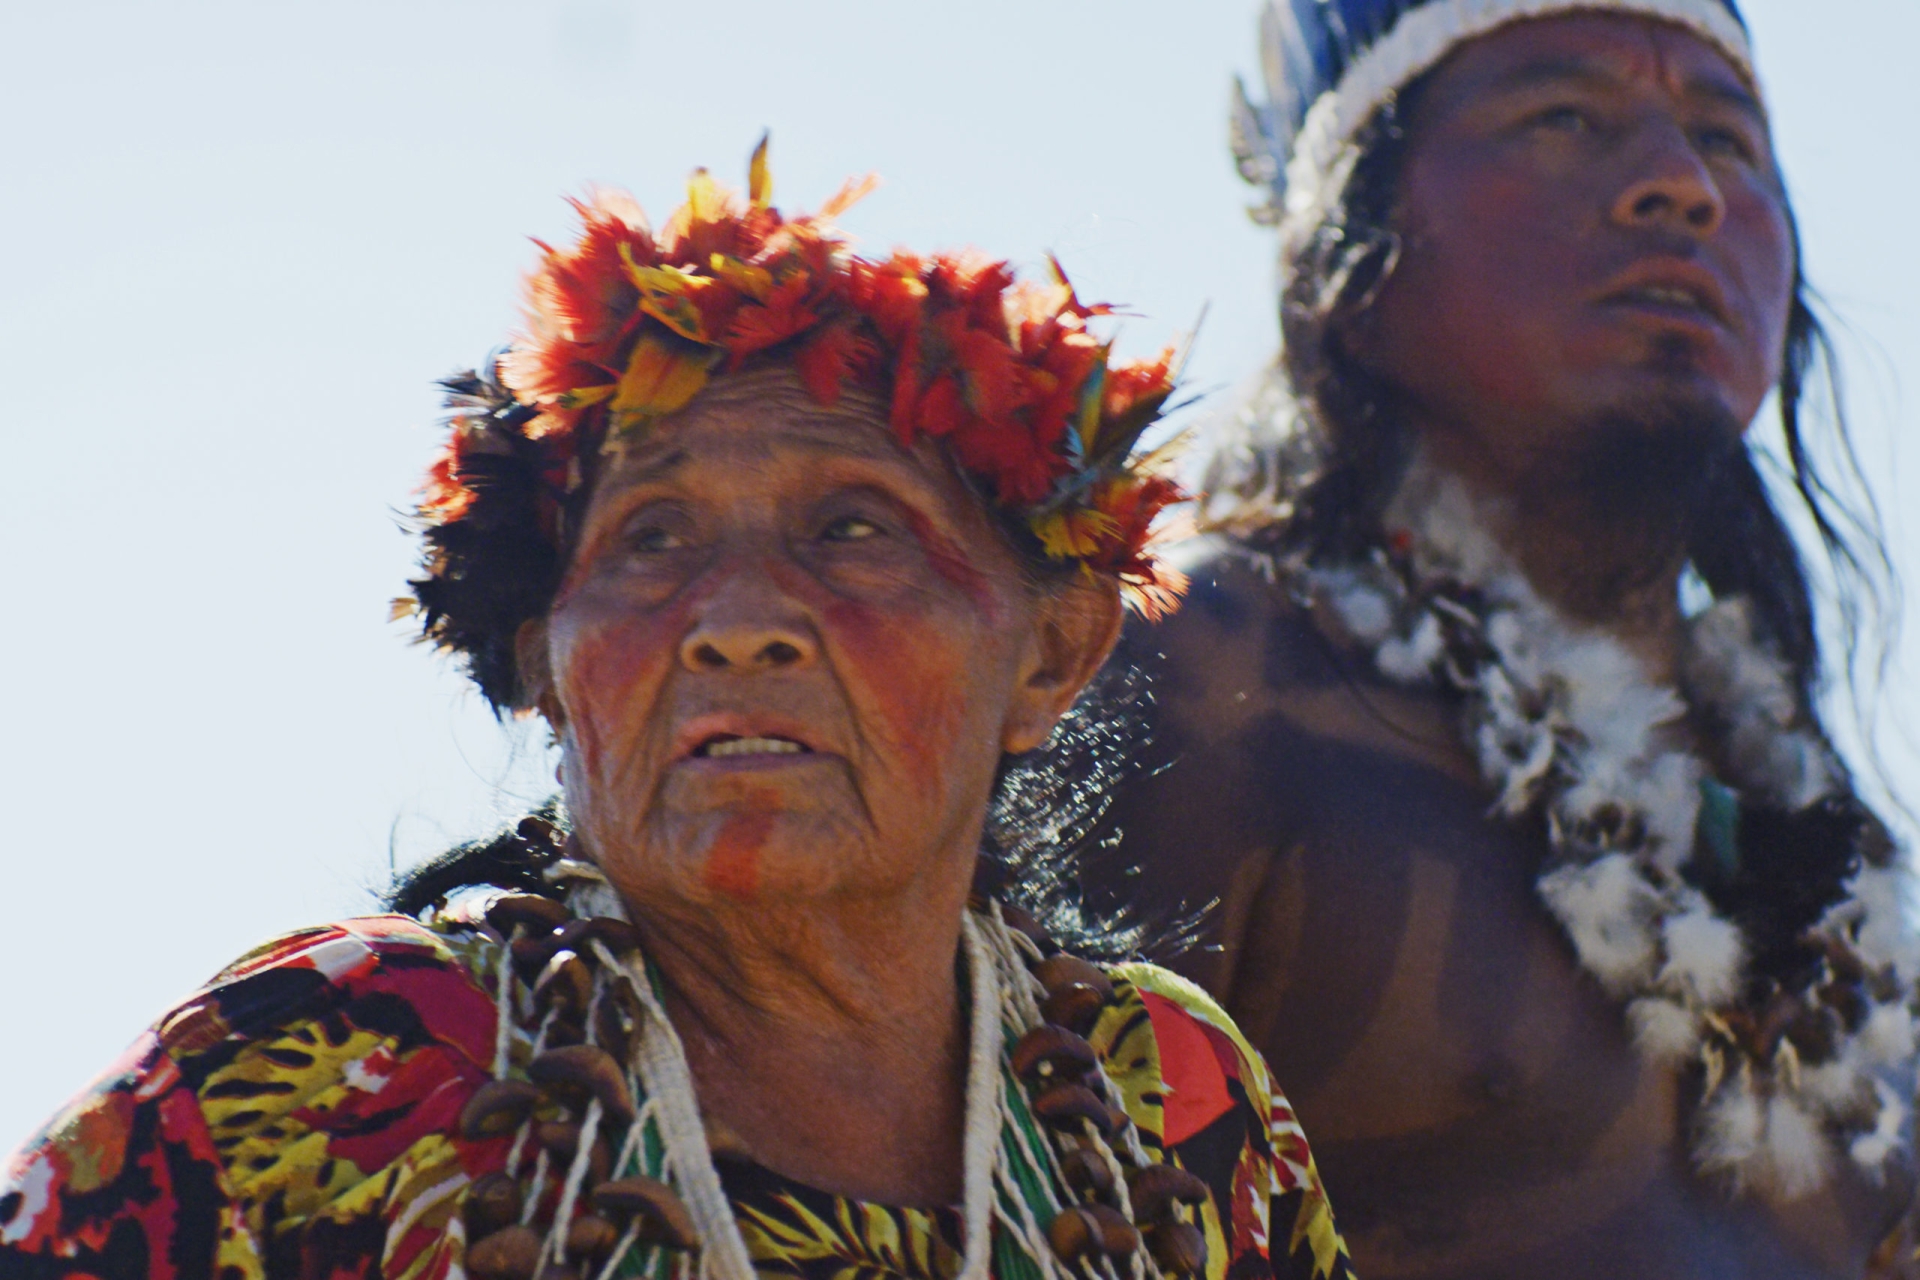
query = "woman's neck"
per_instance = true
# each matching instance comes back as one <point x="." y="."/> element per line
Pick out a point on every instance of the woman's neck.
<point x="825" y="1037"/>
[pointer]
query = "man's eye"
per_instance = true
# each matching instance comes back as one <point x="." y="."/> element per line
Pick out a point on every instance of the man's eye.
<point x="1563" y="120"/>
<point x="1725" y="142"/>
<point x="849" y="529"/>
<point x="653" y="539"/>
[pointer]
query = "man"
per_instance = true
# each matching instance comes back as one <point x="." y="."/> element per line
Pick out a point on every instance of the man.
<point x="1490" y="722"/>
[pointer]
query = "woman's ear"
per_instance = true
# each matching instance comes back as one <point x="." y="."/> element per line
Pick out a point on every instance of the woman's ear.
<point x="536" y="671"/>
<point x="1075" y="630"/>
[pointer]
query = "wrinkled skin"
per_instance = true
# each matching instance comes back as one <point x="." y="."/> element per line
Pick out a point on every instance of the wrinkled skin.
<point x="1475" y="1103"/>
<point x="760" y="567"/>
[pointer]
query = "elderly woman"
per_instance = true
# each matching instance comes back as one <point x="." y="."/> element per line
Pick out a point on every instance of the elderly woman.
<point x="791" y="549"/>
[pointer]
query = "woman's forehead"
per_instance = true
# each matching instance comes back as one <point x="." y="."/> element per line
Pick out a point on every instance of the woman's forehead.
<point x="748" y="416"/>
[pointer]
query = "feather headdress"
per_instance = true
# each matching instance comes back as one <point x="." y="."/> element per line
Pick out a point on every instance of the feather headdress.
<point x="627" y="324"/>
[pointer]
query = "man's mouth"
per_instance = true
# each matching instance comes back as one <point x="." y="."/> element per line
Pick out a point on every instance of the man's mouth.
<point x="724" y="745"/>
<point x="1660" y="295"/>
<point x="1681" y="290"/>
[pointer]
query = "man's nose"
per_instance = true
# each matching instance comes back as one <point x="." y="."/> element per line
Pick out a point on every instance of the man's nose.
<point x="1672" y="188"/>
<point x="749" y="624"/>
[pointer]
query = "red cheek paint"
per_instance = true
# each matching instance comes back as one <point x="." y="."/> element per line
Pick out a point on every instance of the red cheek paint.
<point x="610" y="665"/>
<point x="946" y="559"/>
<point x="913" y="679"/>
<point x="733" y="864"/>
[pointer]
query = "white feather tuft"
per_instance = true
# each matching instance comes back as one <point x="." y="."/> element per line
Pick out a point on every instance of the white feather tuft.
<point x="1888" y="1036"/>
<point x="1705" y="954"/>
<point x="1364" y="609"/>
<point x="1608" y="910"/>
<point x="1836" y="1087"/>
<point x="1411" y="660"/>
<point x="1666" y="1033"/>
<point x="1796" y="1156"/>
<point x="1731" y="1127"/>
<point x="1769" y="1144"/>
<point x="1887" y="908"/>
<point x="1889" y="1134"/>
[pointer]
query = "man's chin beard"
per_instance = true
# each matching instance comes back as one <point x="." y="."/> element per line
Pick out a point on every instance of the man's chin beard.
<point x="1634" y="480"/>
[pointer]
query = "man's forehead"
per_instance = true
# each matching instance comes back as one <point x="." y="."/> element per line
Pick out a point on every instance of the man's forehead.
<point x="1595" y="49"/>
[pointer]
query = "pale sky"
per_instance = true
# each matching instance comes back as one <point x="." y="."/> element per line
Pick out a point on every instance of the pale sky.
<point x="238" y="243"/>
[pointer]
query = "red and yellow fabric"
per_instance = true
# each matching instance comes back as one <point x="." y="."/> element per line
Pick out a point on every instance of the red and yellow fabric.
<point x="296" y="1118"/>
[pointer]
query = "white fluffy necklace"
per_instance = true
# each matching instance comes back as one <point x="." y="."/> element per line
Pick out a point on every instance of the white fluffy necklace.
<point x="1565" y="725"/>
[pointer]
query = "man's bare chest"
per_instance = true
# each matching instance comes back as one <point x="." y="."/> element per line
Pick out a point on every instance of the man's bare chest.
<point x="1474" y="1098"/>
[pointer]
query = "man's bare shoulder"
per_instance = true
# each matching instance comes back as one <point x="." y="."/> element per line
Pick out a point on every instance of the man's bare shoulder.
<point x="1246" y="655"/>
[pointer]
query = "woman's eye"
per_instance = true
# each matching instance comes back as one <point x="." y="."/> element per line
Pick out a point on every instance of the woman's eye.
<point x="654" y="539"/>
<point x="849" y="529"/>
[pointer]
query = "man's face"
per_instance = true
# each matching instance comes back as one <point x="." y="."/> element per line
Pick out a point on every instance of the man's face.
<point x="1593" y="226"/>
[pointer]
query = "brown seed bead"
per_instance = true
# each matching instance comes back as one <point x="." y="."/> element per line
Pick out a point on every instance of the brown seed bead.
<point x="619" y="936"/>
<point x="532" y="951"/>
<point x="663" y="1219"/>
<point x="511" y="1253"/>
<point x="1118" y="1237"/>
<point x="1063" y="970"/>
<point x="591" y="1236"/>
<point x="566" y="983"/>
<point x="613" y="1030"/>
<point x="492" y="1202"/>
<point x="1156" y="1189"/>
<point x="1076" y="1007"/>
<point x="573" y="936"/>
<point x="1065" y="1105"/>
<point x="535" y="829"/>
<point x="1048" y="1054"/>
<point x="1179" y="1247"/>
<point x="1022" y="923"/>
<point x="561" y="1138"/>
<point x="563" y="1031"/>
<point x="1074" y="1234"/>
<point x="497" y="1107"/>
<point x="581" y="1071"/>
<point x="537" y="914"/>
<point x="1087" y="1172"/>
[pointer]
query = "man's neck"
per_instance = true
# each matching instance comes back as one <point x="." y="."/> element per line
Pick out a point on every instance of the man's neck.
<point x="1616" y="575"/>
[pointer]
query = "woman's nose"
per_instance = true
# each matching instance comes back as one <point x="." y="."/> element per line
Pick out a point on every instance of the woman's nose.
<point x="749" y="624"/>
<point x="1672" y="188"/>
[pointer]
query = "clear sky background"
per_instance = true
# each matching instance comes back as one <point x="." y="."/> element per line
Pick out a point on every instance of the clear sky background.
<point x="238" y="241"/>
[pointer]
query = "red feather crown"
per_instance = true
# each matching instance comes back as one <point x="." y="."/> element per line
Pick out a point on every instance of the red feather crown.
<point x="628" y="324"/>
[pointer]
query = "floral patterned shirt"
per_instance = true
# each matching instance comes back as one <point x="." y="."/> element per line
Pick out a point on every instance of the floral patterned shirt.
<point x="296" y="1118"/>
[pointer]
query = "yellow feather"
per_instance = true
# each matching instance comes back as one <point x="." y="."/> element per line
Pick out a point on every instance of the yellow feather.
<point x="755" y="282"/>
<point x="759" y="178"/>
<point x="657" y="381"/>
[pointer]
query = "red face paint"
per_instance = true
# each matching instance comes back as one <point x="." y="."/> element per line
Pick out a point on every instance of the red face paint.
<point x="911" y="678"/>
<point x="733" y="865"/>
<point x="946" y="559"/>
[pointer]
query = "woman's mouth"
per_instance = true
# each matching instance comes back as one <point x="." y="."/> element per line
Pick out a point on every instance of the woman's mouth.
<point x="724" y="746"/>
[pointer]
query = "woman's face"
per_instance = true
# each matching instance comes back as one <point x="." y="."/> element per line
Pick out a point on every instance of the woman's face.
<point x="789" y="654"/>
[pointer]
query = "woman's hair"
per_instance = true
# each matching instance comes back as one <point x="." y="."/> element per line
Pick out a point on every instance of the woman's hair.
<point x="1340" y="450"/>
